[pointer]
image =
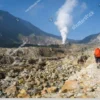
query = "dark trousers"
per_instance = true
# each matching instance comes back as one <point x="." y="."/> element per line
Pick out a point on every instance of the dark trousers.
<point x="97" y="59"/>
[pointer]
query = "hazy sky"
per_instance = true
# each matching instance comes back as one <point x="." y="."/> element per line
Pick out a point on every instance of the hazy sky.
<point x="40" y="14"/>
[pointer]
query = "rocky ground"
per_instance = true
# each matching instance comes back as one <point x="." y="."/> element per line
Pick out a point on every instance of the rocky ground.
<point x="33" y="72"/>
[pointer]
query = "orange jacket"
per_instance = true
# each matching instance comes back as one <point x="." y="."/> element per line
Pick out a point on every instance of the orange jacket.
<point x="97" y="52"/>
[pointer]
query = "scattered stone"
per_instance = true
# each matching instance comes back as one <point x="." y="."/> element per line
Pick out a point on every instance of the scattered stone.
<point x="35" y="72"/>
<point x="32" y="61"/>
<point x="6" y="60"/>
<point x="2" y="75"/>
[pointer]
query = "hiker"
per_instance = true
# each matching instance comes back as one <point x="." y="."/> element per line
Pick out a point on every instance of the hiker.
<point x="97" y="56"/>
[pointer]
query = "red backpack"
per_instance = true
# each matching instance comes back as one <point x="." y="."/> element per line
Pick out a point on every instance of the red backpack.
<point x="97" y="52"/>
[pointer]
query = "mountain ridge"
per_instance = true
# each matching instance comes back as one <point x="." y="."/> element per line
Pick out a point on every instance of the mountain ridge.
<point x="91" y="39"/>
<point x="11" y="27"/>
<point x="14" y="30"/>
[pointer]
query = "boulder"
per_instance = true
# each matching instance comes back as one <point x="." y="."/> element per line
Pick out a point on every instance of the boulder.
<point x="11" y="90"/>
<point x="69" y="85"/>
<point x="43" y="92"/>
<point x="51" y="89"/>
<point x="82" y="59"/>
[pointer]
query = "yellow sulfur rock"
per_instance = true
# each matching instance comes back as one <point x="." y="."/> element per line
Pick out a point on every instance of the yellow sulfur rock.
<point x="23" y="91"/>
<point x="51" y="89"/>
<point x="84" y="96"/>
<point x="23" y="94"/>
<point x="20" y="81"/>
<point x="38" y="96"/>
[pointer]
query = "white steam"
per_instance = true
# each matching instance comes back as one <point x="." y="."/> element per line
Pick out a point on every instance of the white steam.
<point x="64" y="18"/>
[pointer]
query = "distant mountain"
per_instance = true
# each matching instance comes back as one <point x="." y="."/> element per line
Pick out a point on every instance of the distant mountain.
<point x="14" y="30"/>
<point x="91" y="39"/>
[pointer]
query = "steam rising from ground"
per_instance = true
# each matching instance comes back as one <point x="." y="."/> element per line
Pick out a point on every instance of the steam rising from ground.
<point x="64" y="18"/>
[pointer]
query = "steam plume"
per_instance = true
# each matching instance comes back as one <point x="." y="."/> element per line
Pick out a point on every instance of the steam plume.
<point x="64" y="18"/>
